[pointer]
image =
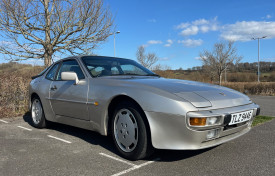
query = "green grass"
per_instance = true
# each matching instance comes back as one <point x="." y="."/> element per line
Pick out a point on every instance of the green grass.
<point x="261" y="119"/>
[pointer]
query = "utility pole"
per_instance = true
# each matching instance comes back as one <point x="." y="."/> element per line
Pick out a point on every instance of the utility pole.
<point x="259" y="38"/>
<point x="115" y="42"/>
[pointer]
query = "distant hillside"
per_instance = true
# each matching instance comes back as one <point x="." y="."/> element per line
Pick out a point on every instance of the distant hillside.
<point x="245" y="67"/>
<point x="241" y="72"/>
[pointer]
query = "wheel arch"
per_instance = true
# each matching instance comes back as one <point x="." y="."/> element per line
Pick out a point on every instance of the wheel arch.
<point x="33" y="94"/>
<point x="112" y="106"/>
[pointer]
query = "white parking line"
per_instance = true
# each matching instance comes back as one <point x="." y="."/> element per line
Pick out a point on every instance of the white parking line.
<point x="63" y="140"/>
<point x="117" y="159"/>
<point x="135" y="167"/>
<point x="4" y="121"/>
<point x="25" y="128"/>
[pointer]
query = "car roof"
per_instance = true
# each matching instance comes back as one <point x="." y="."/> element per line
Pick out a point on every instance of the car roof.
<point x="79" y="58"/>
<point x="92" y="56"/>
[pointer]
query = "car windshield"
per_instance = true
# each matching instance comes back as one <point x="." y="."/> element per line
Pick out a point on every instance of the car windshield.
<point x="107" y="66"/>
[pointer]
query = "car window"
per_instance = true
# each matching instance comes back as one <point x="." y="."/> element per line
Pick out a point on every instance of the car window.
<point x="104" y="66"/>
<point x="51" y="74"/>
<point x="114" y="71"/>
<point x="70" y="66"/>
<point x="131" y="69"/>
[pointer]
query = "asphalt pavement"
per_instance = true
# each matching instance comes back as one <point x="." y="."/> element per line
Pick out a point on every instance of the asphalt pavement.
<point x="65" y="150"/>
<point x="267" y="104"/>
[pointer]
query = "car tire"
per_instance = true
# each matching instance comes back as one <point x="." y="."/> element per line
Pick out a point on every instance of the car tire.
<point x="130" y="132"/>
<point x="37" y="113"/>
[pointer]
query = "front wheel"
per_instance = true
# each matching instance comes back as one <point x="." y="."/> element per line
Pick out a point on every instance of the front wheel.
<point x="129" y="132"/>
<point x="37" y="113"/>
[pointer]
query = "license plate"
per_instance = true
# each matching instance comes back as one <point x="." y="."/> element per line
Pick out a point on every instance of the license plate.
<point x="241" y="117"/>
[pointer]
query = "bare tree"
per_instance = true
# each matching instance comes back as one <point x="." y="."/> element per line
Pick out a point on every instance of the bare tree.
<point x="207" y="70"/>
<point x="147" y="60"/>
<point x="40" y="29"/>
<point x="223" y="54"/>
<point x="161" y="67"/>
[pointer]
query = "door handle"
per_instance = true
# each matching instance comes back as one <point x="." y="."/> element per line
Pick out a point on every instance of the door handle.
<point x="54" y="87"/>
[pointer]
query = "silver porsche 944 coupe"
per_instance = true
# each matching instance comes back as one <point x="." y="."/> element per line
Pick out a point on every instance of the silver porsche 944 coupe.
<point x="139" y="109"/>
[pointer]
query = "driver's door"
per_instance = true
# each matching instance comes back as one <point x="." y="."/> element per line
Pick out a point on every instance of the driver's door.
<point x="67" y="98"/>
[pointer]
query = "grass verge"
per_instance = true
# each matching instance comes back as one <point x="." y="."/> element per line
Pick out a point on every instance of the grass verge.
<point x="261" y="119"/>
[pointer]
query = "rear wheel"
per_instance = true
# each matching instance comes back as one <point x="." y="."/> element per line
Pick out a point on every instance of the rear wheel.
<point x="129" y="132"/>
<point x="37" y="113"/>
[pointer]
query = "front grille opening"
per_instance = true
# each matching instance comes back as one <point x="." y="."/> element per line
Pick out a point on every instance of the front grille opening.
<point x="228" y="127"/>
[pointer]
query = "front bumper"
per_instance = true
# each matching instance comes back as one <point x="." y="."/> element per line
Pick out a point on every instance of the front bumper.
<point x="169" y="131"/>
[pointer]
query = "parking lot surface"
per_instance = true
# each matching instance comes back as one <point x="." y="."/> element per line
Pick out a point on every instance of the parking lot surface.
<point x="267" y="104"/>
<point x="65" y="150"/>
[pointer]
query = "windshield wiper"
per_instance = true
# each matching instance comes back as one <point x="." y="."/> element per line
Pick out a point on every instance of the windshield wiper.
<point x="127" y="74"/>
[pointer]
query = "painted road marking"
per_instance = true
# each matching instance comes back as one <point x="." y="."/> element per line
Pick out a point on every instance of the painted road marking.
<point x="4" y="121"/>
<point x="117" y="159"/>
<point x="25" y="128"/>
<point x="63" y="140"/>
<point x="135" y="167"/>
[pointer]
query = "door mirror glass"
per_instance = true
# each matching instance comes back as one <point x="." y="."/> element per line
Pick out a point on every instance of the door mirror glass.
<point x="69" y="76"/>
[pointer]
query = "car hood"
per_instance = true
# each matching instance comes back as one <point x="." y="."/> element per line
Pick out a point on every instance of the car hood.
<point x="199" y="94"/>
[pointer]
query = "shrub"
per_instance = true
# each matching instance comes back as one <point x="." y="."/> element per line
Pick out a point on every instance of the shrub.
<point x="253" y="88"/>
<point x="14" y="83"/>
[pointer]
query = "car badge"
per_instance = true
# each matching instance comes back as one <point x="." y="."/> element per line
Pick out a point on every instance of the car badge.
<point x="222" y="94"/>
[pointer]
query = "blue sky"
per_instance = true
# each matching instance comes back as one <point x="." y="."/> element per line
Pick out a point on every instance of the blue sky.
<point x="177" y="30"/>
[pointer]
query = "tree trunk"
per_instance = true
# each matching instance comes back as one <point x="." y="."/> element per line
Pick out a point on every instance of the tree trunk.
<point x="47" y="59"/>
<point x="220" y="79"/>
<point x="48" y="48"/>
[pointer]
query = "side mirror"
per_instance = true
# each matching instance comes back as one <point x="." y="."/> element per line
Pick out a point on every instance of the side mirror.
<point x="69" y="76"/>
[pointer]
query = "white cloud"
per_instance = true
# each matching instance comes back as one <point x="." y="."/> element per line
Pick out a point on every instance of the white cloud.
<point x="268" y="16"/>
<point x="200" y="25"/>
<point x="245" y="30"/>
<point x="239" y="31"/>
<point x="191" y="43"/>
<point x="153" y="42"/>
<point x="200" y="22"/>
<point x="182" y="25"/>
<point x="169" y="43"/>
<point x="204" y="28"/>
<point x="193" y="30"/>
<point x="197" y="58"/>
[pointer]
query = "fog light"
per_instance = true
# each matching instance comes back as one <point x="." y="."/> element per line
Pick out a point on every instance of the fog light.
<point x="196" y="121"/>
<point x="212" y="134"/>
